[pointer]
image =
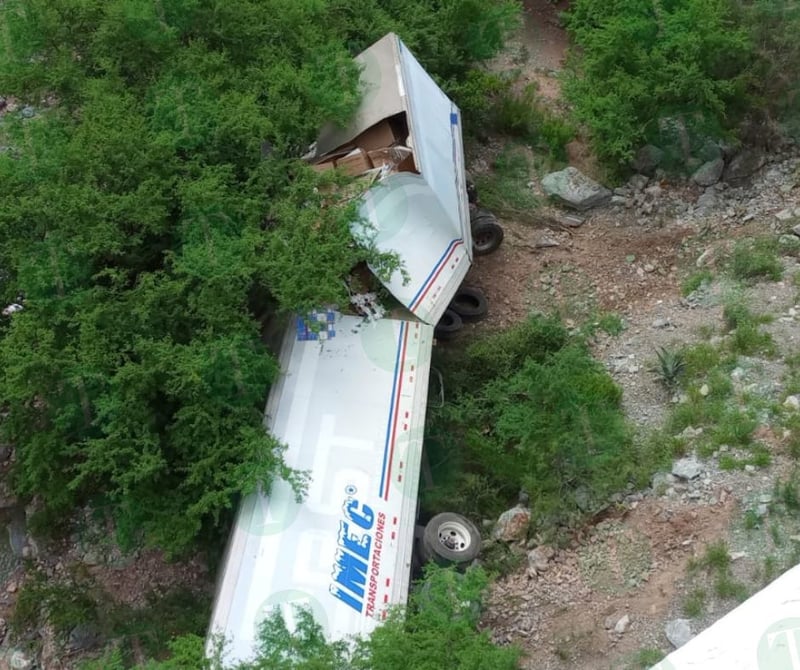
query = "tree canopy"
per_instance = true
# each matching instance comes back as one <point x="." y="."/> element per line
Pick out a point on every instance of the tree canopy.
<point x="154" y="211"/>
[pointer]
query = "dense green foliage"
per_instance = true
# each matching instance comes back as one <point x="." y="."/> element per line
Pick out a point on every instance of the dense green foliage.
<point x="154" y="211"/>
<point x="437" y="631"/>
<point x="531" y="409"/>
<point x="641" y="63"/>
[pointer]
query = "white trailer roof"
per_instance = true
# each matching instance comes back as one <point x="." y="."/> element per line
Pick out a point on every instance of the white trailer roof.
<point x="424" y="218"/>
<point x="350" y="406"/>
<point x="763" y="633"/>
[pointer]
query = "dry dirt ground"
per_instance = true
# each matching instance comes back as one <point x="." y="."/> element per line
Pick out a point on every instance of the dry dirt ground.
<point x="634" y="562"/>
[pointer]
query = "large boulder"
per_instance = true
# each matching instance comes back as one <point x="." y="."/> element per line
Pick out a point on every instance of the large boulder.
<point x="512" y="526"/>
<point x="647" y="159"/>
<point x="709" y="173"/>
<point x="574" y="189"/>
<point x="743" y="165"/>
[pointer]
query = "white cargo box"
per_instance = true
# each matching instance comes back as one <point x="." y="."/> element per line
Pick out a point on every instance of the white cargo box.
<point x="351" y="408"/>
<point x="763" y="633"/>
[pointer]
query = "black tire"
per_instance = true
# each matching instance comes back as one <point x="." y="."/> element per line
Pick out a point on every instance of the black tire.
<point x="450" y="539"/>
<point x="469" y="303"/>
<point x="448" y="325"/>
<point x="486" y="238"/>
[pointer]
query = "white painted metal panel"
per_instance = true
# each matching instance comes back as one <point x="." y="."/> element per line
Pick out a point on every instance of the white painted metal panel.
<point x="351" y="410"/>
<point x="430" y="232"/>
<point x="763" y="633"/>
<point x="435" y="123"/>
<point x="409" y="219"/>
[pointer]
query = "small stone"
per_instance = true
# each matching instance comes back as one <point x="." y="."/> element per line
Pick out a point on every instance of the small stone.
<point x="749" y="468"/>
<point x="11" y="587"/>
<point x="687" y="468"/>
<point x="660" y="323"/>
<point x="704" y="258"/>
<point x="649" y="267"/>
<point x="785" y="215"/>
<point x="796" y="230"/>
<point x="622" y="625"/>
<point x="539" y="558"/>
<point x="678" y="632"/>
<point x="792" y="402"/>
<point x="737" y="555"/>
<point x="762" y="510"/>
<point x="27" y="112"/>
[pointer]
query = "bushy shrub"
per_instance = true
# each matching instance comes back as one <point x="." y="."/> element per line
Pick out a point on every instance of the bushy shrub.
<point x="639" y="61"/>
<point x="533" y="410"/>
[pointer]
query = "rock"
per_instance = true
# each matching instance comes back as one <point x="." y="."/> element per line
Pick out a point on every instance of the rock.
<point x="647" y="159"/>
<point x="512" y="526"/>
<point x="743" y="165"/>
<point x="785" y="215"/>
<point x="710" y="151"/>
<point x="27" y="112"/>
<point x="690" y="432"/>
<point x="619" y="201"/>
<point x="709" y="173"/>
<point x="545" y="242"/>
<point x="749" y="468"/>
<point x="705" y="257"/>
<point x="790" y="242"/>
<point x="706" y="201"/>
<point x="7" y="497"/>
<point x="661" y="481"/>
<point x="622" y="625"/>
<point x="660" y="323"/>
<point x="17" y="532"/>
<point x="792" y="402"/>
<point x="539" y="558"/>
<point x="704" y="390"/>
<point x="574" y="189"/>
<point x="91" y="558"/>
<point x="678" y="632"/>
<point x="82" y="637"/>
<point x="687" y="468"/>
<point x="762" y="510"/>
<point x="15" y="658"/>
<point x="638" y="182"/>
<point x="796" y="230"/>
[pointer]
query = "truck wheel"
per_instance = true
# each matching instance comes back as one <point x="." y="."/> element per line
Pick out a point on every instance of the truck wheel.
<point x="486" y="237"/>
<point x="448" y="325"/>
<point x="450" y="539"/>
<point x="469" y="303"/>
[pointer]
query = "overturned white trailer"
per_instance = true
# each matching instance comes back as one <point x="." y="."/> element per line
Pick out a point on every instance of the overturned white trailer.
<point x="350" y="403"/>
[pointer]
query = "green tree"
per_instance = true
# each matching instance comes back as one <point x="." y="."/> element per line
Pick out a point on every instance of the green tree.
<point x="638" y="61"/>
<point x="155" y="213"/>
<point x="437" y="631"/>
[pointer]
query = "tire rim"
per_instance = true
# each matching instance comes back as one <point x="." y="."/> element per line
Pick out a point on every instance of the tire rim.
<point x="455" y="536"/>
<point x="484" y="240"/>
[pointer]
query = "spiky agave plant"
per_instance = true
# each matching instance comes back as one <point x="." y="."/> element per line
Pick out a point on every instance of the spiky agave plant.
<point x="670" y="366"/>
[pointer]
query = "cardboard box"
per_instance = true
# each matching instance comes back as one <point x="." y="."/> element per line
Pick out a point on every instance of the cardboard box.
<point x="391" y="157"/>
<point x="355" y="163"/>
<point x="322" y="167"/>
<point x="378" y="136"/>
